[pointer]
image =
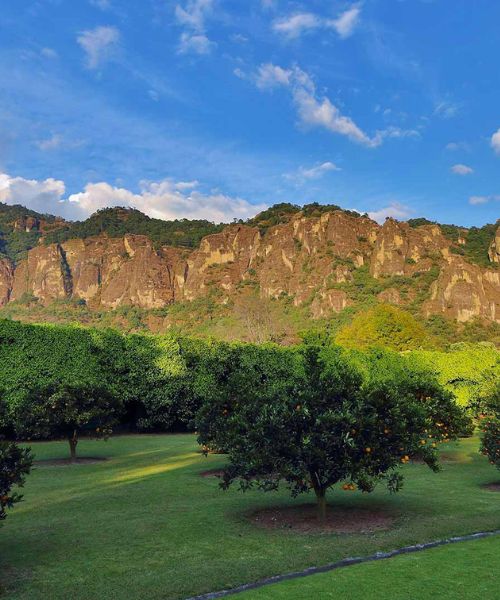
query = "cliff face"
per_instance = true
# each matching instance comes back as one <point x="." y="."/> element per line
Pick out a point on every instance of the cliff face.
<point x="313" y="261"/>
<point x="6" y="280"/>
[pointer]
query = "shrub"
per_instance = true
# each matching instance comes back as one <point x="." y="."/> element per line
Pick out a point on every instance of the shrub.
<point x="324" y="424"/>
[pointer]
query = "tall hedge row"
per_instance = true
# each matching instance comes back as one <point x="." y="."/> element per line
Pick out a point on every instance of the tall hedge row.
<point x="468" y="370"/>
<point x="163" y="379"/>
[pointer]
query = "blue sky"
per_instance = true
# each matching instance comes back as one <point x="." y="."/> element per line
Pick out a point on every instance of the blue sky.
<point x="218" y="108"/>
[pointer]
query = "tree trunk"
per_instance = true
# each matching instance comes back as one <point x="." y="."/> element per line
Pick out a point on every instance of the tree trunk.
<point x="321" y="498"/>
<point x="73" y="441"/>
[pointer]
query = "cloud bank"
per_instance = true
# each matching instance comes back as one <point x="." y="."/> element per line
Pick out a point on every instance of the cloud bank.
<point x="164" y="199"/>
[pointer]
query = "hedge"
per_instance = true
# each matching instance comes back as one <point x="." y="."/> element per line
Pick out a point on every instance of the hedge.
<point x="163" y="379"/>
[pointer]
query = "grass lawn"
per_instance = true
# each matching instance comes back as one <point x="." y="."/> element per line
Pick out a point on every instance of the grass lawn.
<point x="467" y="571"/>
<point x="144" y="524"/>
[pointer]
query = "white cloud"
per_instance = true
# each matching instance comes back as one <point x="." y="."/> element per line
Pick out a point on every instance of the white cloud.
<point x="446" y="109"/>
<point x="293" y="26"/>
<point x="102" y="4"/>
<point x="455" y="146"/>
<point x="395" y="133"/>
<point x="186" y="185"/>
<point x="240" y="73"/>
<point x="495" y="141"/>
<point x="196" y="43"/>
<point x="322" y="113"/>
<point x="270" y="76"/>
<point x="165" y="199"/>
<point x="48" y="53"/>
<point x="303" y="174"/>
<point x="460" y="169"/>
<point x="51" y="143"/>
<point x="474" y="200"/>
<point x="345" y="24"/>
<point x="99" y="44"/>
<point x="193" y="17"/>
<point x="314" y="111"/>
<point x="43" y="196"/>
<point x="238" y="38"/>
<point x="394" y="210"/>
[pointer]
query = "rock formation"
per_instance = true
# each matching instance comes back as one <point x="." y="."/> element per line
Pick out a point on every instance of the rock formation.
<point x="310" y="260"/>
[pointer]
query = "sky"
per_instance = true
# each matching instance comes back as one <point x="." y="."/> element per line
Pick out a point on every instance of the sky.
<point x="219" y="108"/>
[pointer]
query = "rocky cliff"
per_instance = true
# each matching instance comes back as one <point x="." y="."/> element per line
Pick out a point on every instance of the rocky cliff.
<point x="319" y="262"/>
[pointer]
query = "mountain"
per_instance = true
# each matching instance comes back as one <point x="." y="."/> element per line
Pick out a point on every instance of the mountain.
<point x="320" y="258"/>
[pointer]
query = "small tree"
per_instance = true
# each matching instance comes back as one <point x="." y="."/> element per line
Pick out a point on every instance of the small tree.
<point x="15" y="464"/>
<point x="327" y="424"/>
<point x="62" y="410"/>
<point x="490" y="426"/>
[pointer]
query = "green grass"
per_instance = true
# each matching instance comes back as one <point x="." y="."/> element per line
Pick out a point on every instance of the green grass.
<point x="144" y="524"/>
<point x="465" y="571"/>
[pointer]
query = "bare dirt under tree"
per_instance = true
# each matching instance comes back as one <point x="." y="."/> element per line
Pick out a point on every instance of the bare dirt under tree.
<point x="304" y="519"/>
<point x="493" y="487"/>
<point x="212" y="473"/>
<point x="67" y="462"/>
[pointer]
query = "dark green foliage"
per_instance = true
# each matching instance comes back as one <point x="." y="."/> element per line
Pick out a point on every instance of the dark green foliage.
<point x="325" y="424"/>
<point x="314" y="209"/>
<point x="15" y="464"/>
<point x="162" y="380"/>
<point x="282" y="213"/>
<point x="65" y="411"/>
<point x="15" y="243"/>
<point x="477" y="239"/>
<point x="158" y="385"/>
<point x="418" y="222"/>
<point x="59" y="410"/>
<point x="490" y="425"/>
<point x="35" y="356"/>
<point x="275" y="215"/>
<point x="478" y="243"/>
<point x="117" y="222"/>
<point x="233" y="373"/>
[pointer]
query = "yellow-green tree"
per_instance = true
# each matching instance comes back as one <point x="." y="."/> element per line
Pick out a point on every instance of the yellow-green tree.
<point x="387" y="326"/>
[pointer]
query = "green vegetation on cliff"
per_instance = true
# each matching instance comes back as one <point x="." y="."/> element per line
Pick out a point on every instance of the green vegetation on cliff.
<point x="116" y="222"/>
<point x="15" y="241"/>
<point x="283" y="212"/>
<point x="477" y="239"/>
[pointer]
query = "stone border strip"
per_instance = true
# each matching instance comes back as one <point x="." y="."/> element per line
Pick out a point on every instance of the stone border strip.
<point x="346" y="562"/>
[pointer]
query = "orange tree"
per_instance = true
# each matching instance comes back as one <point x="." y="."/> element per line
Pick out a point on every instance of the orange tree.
<point x="490" y="426"/>
<point x="15" y="464"/>
<point x="65" y="411"/>
<point x="326" y="423"/>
